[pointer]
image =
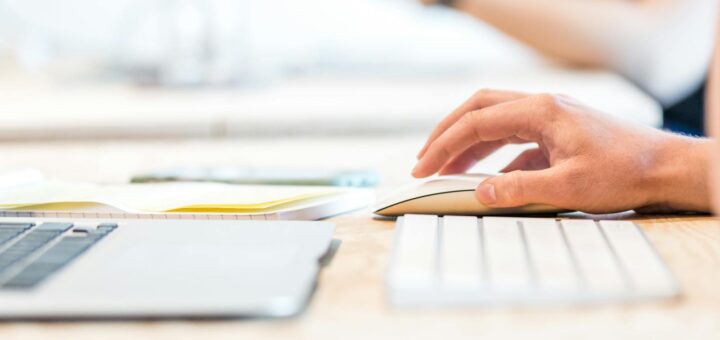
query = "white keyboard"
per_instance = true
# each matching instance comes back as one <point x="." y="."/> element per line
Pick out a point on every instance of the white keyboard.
<point x="465" y="260"/>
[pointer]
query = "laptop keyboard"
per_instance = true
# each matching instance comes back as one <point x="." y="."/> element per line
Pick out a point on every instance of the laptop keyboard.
<point x="29" y="252"/>
<point x="465" y="260"/>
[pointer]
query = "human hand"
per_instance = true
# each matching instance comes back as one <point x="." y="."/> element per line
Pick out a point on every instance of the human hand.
<point x="584" y="161"/>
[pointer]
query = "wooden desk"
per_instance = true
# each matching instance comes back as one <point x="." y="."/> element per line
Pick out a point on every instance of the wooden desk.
<point x="349" y="302"/>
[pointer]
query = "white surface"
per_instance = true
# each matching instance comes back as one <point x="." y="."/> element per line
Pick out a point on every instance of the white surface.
<point x="416" y="255"/>
<point x="431" y="186"/>
<point x="506" y="256"/>
<point x="554" y="269"/>
<point x="183" y="268"/>
<point x="14" y="178"/>
<point x="37" y="107"/>
<point x="461" y="263"/>
<point x="647" y="273"/>
<point x="251" y="42"/>
<point x="595" y="260"/>
<point x="523" y="261"/>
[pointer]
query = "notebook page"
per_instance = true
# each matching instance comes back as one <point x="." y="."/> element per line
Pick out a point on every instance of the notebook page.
<point x="162" y="197"/>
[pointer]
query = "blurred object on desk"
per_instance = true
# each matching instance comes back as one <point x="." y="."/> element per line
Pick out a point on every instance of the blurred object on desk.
<point x="263" y="176"/>
<point x="315" y="105"/>
<point x="159" y="69"/>
<point x="192" y="42"/>
<point x="55" y="198"/>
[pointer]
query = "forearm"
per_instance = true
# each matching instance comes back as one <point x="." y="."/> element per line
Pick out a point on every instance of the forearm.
<point x="582" y="32"/>
<point x="661" y="45"/>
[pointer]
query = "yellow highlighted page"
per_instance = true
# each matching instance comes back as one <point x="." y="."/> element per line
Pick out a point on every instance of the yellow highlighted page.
<point x="160" y="197"/>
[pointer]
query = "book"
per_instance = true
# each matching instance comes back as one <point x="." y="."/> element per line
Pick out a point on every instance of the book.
<point x="179" y="200"/>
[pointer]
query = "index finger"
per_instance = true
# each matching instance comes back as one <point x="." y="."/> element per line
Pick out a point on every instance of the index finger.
<point x="479" y="100"/>
<point x="525" y="118"/>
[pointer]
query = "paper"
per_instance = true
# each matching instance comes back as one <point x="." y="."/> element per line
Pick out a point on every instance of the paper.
<point x="160" y="197"/>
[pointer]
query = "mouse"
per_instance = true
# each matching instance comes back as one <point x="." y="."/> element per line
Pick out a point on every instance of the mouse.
<point x="449" y="195"/>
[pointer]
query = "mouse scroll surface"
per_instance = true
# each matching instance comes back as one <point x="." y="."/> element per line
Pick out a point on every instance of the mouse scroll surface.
<point x="448" y="195"/>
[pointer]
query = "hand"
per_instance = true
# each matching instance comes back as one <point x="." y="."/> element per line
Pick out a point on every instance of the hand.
<point x="584" y="161"/>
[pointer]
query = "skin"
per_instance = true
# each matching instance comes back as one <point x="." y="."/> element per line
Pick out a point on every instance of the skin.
<point x="646" y="41"/>
<point x="585" y="161"/>
<point x="572" y="33"/>
<point x="713" y="123"/>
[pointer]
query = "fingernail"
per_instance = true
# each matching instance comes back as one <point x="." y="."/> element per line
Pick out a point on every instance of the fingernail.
<point x="415" y="170"/>
<point x="486" y="193"/>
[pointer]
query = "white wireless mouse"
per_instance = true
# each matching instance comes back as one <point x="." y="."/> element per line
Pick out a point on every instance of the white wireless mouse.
<point x="449" y="195"/>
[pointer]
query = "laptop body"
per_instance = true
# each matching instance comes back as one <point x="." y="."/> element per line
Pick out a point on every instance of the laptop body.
<point x="158" y="268"/>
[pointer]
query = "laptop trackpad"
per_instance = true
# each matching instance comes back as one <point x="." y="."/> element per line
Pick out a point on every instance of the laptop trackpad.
<point x="215" y="263"/>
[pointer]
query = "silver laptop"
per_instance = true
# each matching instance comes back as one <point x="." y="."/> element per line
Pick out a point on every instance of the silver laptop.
<point x="59" y="269"/>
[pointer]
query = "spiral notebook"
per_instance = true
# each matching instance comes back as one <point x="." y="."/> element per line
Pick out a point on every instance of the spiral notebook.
<point x="179" y="201"/>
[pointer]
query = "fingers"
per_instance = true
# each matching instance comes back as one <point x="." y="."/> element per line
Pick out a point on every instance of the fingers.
<point x="532" y="159"/>
<point x="470" y="157"/>
<point x="480" y="99"/>
<point x="520" y="188"/>
<point x="525" y="118"/>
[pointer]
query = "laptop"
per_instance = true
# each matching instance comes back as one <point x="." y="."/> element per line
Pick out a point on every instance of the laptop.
<point x="56" y="268"/>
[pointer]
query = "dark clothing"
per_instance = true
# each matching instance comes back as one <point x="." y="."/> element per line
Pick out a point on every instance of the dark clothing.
<point x="687" y="115"/>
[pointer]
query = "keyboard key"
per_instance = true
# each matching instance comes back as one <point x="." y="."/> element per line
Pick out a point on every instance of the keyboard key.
<point x="7" y="235"/>
<point x="415" y="252"/>
<point x="49" y="262"/>
<point x="506" y="257"/>
<point x="54" y="226"/>
<point x="595" y="259"/>
<point x="551" y="262"/>
<point x="460" y="253"/>
<point x="20" y="282"/>
<point x="464" y="261"/>
<point x="646" y="271"/>
<point x="104" y="226"/>
<point x="14" y="226"/>
<point x="34" y="240"/>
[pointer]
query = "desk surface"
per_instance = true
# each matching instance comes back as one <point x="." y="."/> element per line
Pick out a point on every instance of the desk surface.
<point x="349" y="302"/>
<point x="39" y="107"/>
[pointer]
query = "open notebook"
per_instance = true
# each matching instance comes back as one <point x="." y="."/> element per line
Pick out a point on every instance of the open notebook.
<point x="179" y="200"/>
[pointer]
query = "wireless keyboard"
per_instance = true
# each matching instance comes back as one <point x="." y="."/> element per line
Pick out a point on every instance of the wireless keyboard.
<point x="465" y="260"/>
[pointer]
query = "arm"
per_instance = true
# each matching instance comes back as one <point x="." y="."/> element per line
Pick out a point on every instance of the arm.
<point x="663" y="45"/>
<point x="584" y="161"/>
<point x="712" y="111"/>
<point x="582" y="32"/>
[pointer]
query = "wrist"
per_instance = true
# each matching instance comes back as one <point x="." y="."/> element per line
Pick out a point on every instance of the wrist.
<point x="676" y="176"/>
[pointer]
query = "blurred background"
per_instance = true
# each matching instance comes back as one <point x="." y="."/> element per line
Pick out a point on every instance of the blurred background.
<point x="217" y="68"/>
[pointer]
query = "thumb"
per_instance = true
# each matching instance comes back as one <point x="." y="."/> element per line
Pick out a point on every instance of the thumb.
<point x="517" y="188"/>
